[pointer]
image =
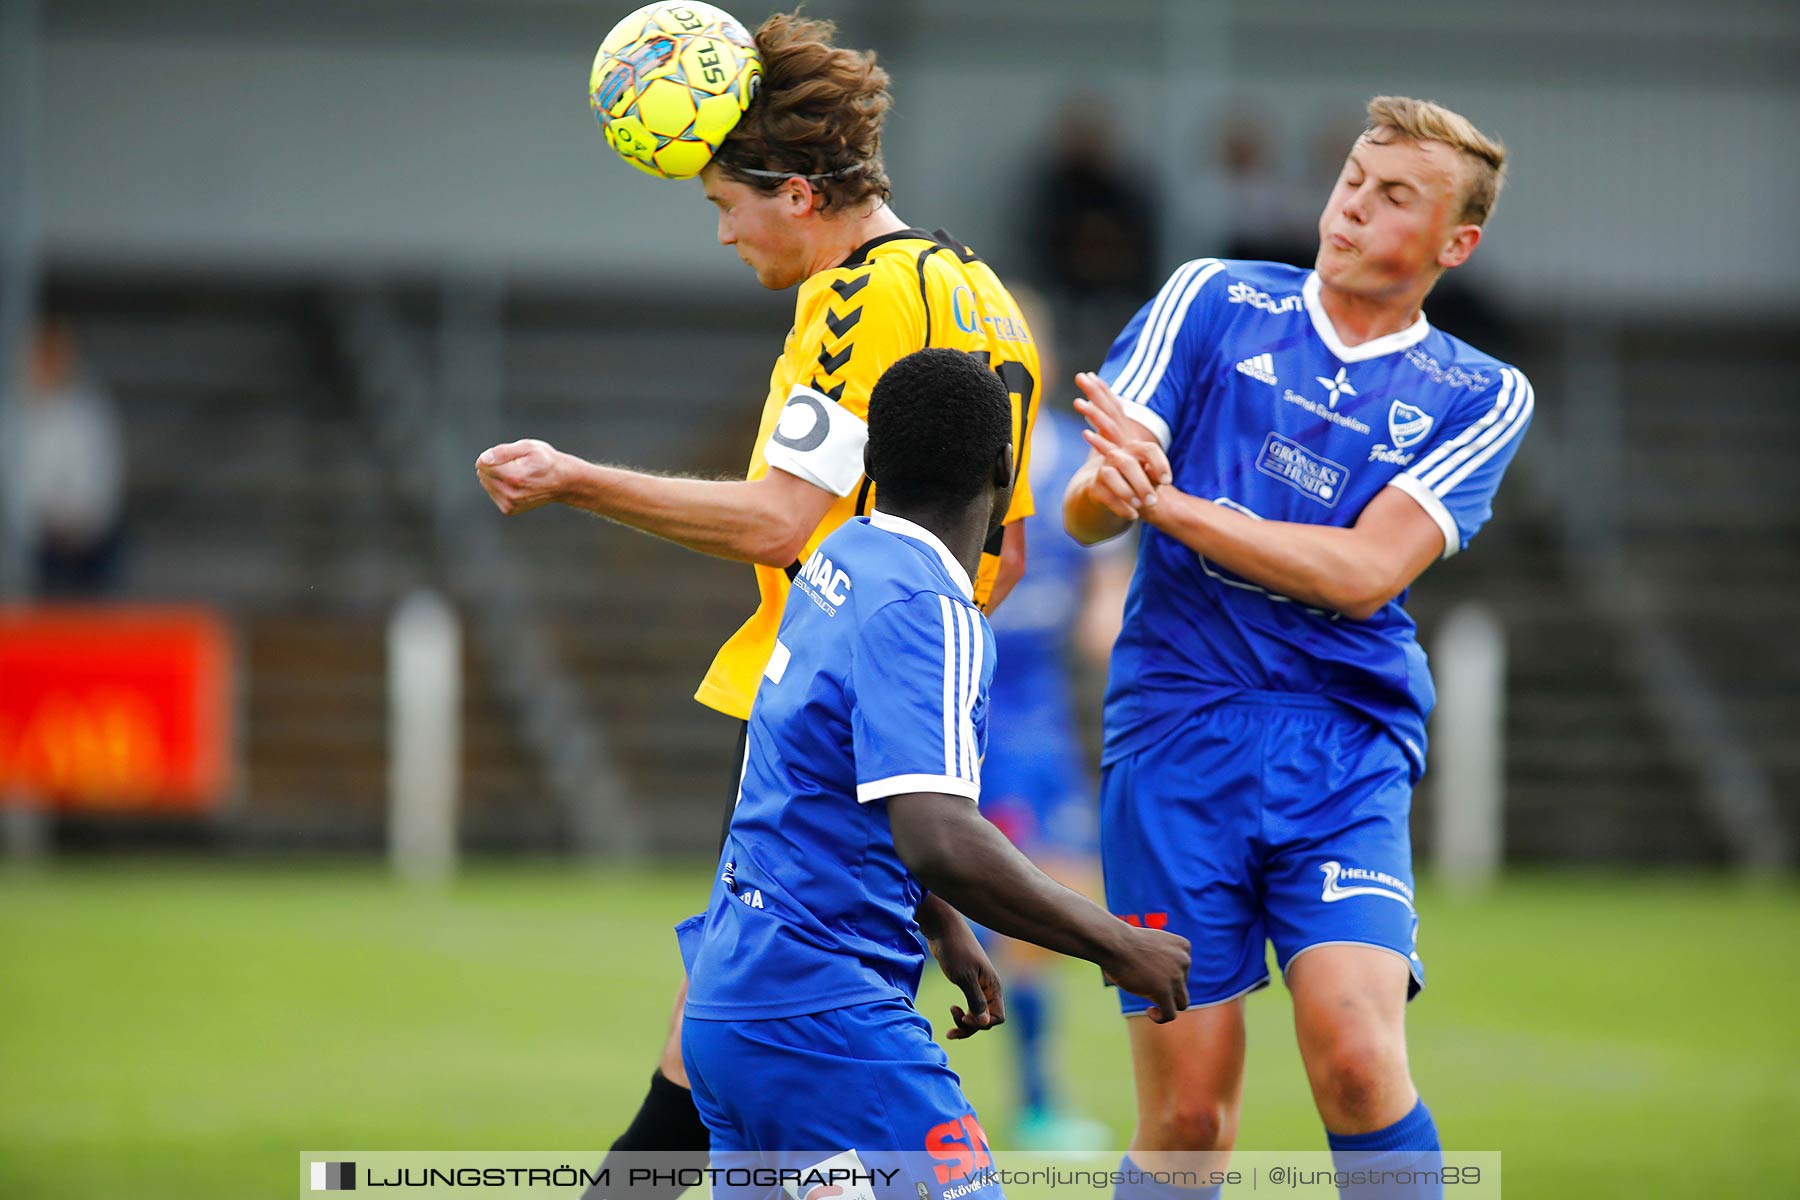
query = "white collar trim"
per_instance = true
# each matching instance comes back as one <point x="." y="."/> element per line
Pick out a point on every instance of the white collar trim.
<point x="1412" y="335"/>
<point x="919" y="533"/>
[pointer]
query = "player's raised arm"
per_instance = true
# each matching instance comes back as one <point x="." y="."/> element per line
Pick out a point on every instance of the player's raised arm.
<point x="961" y="856"/>
<point x="764" y="520"/>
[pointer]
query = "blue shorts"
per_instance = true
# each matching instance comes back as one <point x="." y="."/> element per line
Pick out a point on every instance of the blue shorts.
<point x="1036" y="789"/>
<point x="1262" y="819"/>
<point x="865" y="1081"/>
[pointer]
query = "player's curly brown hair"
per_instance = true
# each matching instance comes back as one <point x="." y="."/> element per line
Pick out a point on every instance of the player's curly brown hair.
<point x="819" y="115"/>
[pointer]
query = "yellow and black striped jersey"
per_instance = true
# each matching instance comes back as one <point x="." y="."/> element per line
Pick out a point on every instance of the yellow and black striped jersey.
<point x="897" y="293"/>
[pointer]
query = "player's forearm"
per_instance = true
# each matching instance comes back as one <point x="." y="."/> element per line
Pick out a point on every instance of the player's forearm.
<point x="1012" y="565"/>
<point x="724" y="518"/>
<point x="1319" y="565"/>
<point x="964" y="860"/>
<point x="1088" y="521"/>
<point x="936" y="917"/>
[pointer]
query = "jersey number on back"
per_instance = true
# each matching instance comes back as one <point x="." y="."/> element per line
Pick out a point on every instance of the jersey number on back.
<point x="1019" y="382"/>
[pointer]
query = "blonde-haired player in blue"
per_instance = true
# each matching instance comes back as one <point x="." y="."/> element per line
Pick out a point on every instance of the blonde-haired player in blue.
<point x="1298" y="446"/>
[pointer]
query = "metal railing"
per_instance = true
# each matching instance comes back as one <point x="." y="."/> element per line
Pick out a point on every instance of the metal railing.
<point x="425" y="421"/>
<point x="1735" y="790"/>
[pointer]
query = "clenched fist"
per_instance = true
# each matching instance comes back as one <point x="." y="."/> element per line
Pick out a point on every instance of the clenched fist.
<point x="521" y="476"/>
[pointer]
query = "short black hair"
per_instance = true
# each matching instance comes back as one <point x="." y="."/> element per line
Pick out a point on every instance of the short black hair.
<point x="938" y="421"/>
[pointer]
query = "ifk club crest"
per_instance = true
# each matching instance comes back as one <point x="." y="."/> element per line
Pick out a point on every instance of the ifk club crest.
<point x="1407" y="425"/>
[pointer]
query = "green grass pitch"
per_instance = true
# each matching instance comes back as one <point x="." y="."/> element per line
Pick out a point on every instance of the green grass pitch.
<point x="182" y="1030"/>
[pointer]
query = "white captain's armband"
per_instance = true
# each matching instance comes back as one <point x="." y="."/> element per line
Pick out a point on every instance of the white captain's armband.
<point x="819" y="440"/>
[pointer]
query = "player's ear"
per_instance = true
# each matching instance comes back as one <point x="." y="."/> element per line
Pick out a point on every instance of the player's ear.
<point x="1003" y="468"/>
<point x="1462" y="243"/>
<point x="799" y="195"/>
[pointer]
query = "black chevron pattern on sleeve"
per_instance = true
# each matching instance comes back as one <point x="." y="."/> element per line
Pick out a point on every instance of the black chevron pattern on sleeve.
<point x="846" y="288"/>
<point x="840" y="325"/>
<point x="836" y="392"/>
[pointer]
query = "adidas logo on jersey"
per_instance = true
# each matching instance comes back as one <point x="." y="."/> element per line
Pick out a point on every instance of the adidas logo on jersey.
<point x="1260" y="366"/>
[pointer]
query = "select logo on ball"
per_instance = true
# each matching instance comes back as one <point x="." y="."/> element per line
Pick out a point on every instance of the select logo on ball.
<point x="670" y="83"/>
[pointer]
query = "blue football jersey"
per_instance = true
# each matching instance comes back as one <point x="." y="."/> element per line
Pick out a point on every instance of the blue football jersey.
<point x="877" y="687"/>
<point x="1236" y="369"/>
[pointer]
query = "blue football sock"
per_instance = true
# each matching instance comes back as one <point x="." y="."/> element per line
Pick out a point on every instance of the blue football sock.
<point x="1392" y="1160"/>
<point x="1028" y="1011"/>
<point x="1150" y="1189"/>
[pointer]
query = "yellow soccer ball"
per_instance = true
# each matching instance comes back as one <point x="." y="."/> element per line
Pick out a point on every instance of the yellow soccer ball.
<point x="670" y="82"/>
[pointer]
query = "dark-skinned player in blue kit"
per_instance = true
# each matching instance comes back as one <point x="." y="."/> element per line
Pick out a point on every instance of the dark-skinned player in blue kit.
<point x="861" y="777"/>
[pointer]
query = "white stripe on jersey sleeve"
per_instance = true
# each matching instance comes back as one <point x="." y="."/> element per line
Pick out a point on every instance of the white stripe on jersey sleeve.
<point x="1524" y="400"/>
<point x="1434" y="508"/>
<point x="962" y="689"/>
<point x="1431" y="461"/>
<point x="1441" y="471"/>
<point x="900" y="785"/>
<point x="1445" y="458"/>
<point x="965" y="653"/>
<point x="973" y="761"/>
<point x="1145" y="385"/>
<point x="1149" y="360"/>
<point x="1166" y="299"/>
<point x="949" y="668"/>
<point x="1158" y="427"/>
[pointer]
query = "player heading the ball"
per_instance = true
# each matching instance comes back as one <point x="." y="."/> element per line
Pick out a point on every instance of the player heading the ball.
<point x="801" y="195"/>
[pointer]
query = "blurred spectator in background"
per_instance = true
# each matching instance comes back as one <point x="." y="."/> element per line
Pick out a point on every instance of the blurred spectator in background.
<point x="1092" y="224"/>
<point x="1036" y="785"/>
<point x="68" y="493"/>
<point x="1269" y="213"/>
